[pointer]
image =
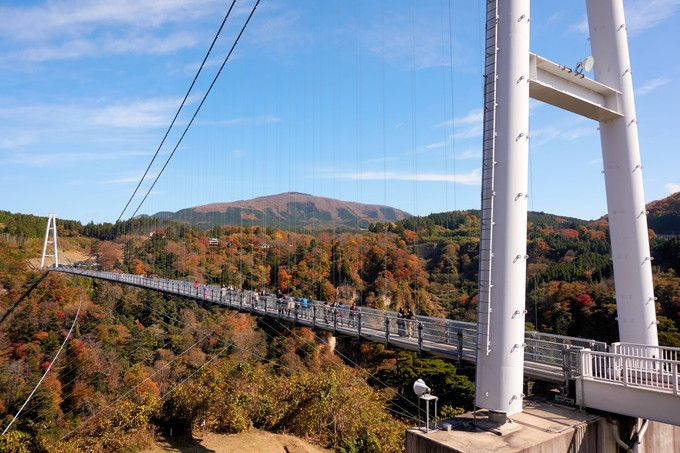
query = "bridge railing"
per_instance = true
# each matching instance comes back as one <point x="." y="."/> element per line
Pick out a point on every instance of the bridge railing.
<point x="642" y="350"/>
<point x="554" y="349"/>
<point x="634" y="371"/>
<point x="457" y="337"/>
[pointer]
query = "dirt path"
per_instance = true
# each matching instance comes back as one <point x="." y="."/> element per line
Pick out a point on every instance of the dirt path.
<point x="247" y="442"/>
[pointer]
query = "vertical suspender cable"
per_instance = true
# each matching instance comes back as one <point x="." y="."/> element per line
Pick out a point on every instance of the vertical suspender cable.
<point x="414" y="143"/>
<point x="200" y="105"/>
<point x="453" y="109"/>
<point x="186" y="96"/>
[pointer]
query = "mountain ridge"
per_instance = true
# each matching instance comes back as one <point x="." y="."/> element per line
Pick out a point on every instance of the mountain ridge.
<point x="295" y="210"/>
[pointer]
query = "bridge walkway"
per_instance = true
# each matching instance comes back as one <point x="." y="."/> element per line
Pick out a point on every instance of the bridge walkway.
<point x="545" y="357"/>
<point x="636" y="380"/>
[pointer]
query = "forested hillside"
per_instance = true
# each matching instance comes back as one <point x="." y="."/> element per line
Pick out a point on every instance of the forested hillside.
<point x="140" y="363"/>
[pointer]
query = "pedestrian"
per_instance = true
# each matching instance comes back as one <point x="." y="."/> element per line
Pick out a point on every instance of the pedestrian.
<point x="334" y="311"/>
<point x="291" y="305"/>
<point x="400" y="322"/>
<point x="410" y="320"/>
<point x="352" y="314"/>
<point x="304" y="302"/>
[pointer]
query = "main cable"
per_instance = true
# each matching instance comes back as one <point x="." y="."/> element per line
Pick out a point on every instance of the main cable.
<point x="198" y="109"/>
<point x="181" y="106"/>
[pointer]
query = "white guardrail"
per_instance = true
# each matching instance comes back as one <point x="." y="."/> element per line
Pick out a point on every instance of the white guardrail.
<point x="633" y="365"/>
<point x="457" y="337"/>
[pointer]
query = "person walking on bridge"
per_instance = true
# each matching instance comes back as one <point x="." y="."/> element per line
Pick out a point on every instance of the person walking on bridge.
<point x="352" y="314"/>
<point x="400" y="322"/>
<point x="410" y="321"/>
<point x="305" y="306"/>
<point x="290" y="306"/>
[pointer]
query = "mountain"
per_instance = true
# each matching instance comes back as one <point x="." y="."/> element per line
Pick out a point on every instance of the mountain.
<point x="292" y="210"/>
<point x="664" y="215"/>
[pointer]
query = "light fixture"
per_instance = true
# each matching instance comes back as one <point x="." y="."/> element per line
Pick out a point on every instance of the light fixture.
<point x="585" y="65"/>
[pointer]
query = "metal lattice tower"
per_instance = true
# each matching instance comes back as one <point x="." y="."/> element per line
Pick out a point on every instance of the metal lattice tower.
<point x="512" y="75"/>
<point x="51" y="229"/>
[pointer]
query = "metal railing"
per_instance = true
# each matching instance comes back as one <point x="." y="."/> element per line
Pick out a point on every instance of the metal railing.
<point x="555" y="355"/>
<point x="630" y="371"/>
<point x="642" y="350"/>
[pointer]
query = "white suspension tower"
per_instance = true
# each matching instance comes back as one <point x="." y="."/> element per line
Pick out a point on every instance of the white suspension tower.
<point x="512" y="75"/>
<point x="51" y="229"/>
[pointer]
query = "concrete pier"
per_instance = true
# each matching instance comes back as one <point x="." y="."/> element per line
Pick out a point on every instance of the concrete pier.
<point x="542" y="427"/>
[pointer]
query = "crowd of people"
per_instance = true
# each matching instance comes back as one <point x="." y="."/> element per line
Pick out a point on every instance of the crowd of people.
<point x="330" y="312"/>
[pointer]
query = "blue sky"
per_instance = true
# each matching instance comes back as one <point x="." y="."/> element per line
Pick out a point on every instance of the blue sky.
<point x="348" y="99"/>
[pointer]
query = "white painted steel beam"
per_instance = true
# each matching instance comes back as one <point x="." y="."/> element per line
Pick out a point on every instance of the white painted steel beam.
<point x="560" y="86"/>
<point x="623" y="177"/>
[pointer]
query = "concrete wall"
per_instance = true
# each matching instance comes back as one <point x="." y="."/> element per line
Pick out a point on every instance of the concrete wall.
<point x="594" y="437"/>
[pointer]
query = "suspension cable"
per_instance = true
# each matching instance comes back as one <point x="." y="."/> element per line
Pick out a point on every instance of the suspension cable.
<point x="56" y="356"/>
<point x="198" y="109"/>
<point x="186" y="96"/>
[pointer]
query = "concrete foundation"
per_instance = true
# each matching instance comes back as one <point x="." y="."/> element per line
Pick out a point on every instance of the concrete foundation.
<point x="541" y="428"/>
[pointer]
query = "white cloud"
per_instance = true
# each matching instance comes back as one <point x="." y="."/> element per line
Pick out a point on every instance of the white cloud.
<point x="471" y="178"/>
<point x="145" y="113"/>
<point x="277" y="29"/>
<point x="473" y="153"/>
<point x="641" y="15"/>
<point x="129" y="179"/>
<point x="48" y="159"/>
<point x="467" y="126"/>
<point x="16" y="141"/>
<point x="473" y="117"/>
<point x="137" y="113"/>
<point x="672" y="187"/>
<point x="581" y="27"/>
<point x="645" y="14"/>
<point x="436" y="145"/>
<point x="651" y="85"/>
<point x="244" y="121"/>
<point x="68" y="18"/>
<point x="413" y="40"/>
<point x="569" y="132"/>
<point x="237" y="153"/>
<point x="67" y="30"/>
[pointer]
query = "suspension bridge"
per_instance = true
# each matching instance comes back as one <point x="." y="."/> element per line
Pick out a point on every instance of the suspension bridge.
<point x="635" y="377"/>
<point x="629" y="379"/>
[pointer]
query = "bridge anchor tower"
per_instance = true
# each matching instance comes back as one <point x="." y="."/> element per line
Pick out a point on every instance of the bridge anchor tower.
<point x="50" y="230"/>
<point x="513" y="75"/>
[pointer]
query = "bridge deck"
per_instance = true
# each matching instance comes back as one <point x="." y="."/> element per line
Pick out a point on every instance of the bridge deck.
<point x="544" y="353"/>
<point x="636" y="380"/>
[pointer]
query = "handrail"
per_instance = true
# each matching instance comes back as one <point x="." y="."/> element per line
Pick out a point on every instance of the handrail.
<point x="543" y="351"/>
<point x="640" y="372"/>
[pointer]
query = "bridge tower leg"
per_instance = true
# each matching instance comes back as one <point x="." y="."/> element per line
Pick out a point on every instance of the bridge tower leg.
<point x="51" y="229"/>
<point x="502" y="274"/>
<point x="623" y="177"/>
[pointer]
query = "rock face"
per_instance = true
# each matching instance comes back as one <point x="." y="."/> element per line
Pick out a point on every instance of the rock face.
<point x="290" y="210"/>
